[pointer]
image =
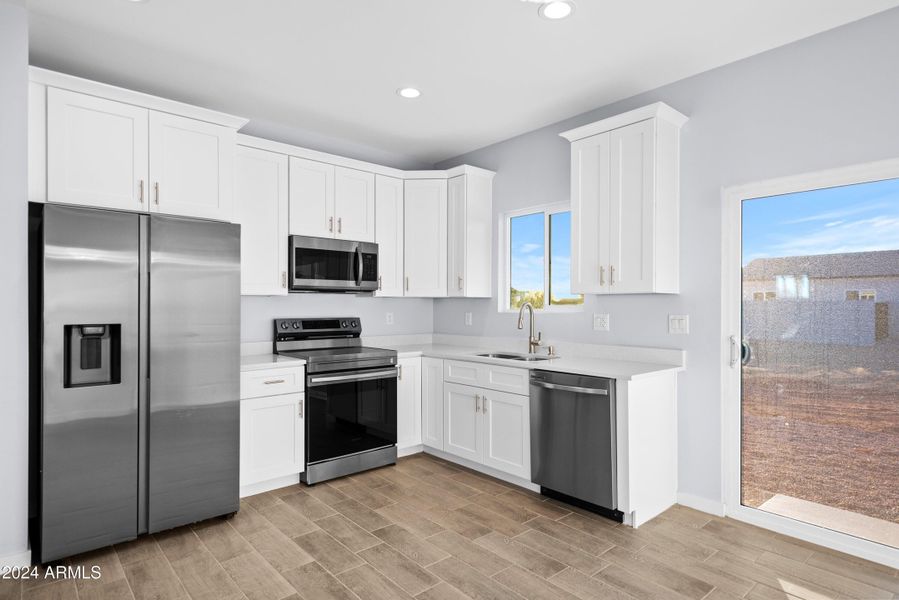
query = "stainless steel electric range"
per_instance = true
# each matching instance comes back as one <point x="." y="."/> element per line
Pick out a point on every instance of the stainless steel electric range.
<point x="350" y="407"/>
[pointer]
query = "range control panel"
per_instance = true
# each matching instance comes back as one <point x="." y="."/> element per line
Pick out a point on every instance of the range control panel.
<point x="317" y="328"/>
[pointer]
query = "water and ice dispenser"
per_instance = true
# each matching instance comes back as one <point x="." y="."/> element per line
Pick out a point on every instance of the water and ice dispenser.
<point x="92" y="355"/>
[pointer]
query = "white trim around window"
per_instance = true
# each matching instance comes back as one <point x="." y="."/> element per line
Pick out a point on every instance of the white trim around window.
<point x="731" y="299"/>
<point x="504" y="256"/>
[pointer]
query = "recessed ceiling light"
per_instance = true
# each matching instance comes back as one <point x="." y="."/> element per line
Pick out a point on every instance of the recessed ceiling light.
<point x="409" y="92"/>
<point x="557" y="9"/>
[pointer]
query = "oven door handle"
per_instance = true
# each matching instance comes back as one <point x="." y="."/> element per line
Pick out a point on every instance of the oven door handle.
<point x="315" y="381"/>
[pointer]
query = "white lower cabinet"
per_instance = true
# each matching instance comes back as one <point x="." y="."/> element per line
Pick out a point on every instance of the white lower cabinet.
<point x="432" y="402"/>
<point x="489" y="427"/>
<point x="408" y="404"/>
<point x="272" y="435"/>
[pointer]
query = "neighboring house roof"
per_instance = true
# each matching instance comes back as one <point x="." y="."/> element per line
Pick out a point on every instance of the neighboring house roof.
<point x="884" y="263"/>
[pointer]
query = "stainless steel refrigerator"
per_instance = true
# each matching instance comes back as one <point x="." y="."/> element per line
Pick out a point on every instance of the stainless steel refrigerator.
<point x="134" y="364"/>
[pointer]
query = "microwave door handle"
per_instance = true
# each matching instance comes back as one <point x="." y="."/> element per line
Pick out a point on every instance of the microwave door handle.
<point x="358" y="266"/>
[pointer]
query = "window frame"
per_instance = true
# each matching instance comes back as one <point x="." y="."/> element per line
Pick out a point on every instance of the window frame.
<point x="504" y="254"/>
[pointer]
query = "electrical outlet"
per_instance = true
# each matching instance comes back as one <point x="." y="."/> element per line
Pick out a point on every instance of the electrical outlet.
<point x="389" y="318"/>
<point x="600" y="322"/>
<point x="468" y="319"/>
<point x="679" y="324"/>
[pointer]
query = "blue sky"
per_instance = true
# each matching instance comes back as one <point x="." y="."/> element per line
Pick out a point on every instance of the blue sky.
<point x="853" y="218"/>
<point x="528" y="253"/>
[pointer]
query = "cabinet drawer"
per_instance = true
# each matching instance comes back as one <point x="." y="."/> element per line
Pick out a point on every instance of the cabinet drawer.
<point x="271" y="382"/>
<point x="505" y="379"/>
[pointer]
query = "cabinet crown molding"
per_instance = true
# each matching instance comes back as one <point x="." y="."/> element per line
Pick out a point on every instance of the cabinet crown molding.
<point x="657" y="110"/>
<point x="111" y="92"/>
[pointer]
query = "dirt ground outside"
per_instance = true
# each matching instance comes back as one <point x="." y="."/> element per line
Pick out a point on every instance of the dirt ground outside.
<point x="821" y="423"/>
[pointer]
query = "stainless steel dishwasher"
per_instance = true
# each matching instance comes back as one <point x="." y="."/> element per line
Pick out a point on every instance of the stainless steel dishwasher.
<point x="573" y="456"/>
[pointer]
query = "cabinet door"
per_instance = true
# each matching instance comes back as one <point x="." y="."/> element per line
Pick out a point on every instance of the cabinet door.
<point x="191" y="167"/>
<point x="456" y="236"/>
<point x="425" y="237"/>
<point x="354" y="205"/>
<point x="432" y="402"/>
<point x="389" y="235"/>
<point x="311" y="198"/>
<point x="507" y="432"/>
<point x="260" y="194"/>
<point x="408" y="403"/>
<point x="96" y="152"/>
<point x="461" y="421"/>
<point x="590" y="190"/>
<point x="631" y="237"/>
<point x="271" y="438"/>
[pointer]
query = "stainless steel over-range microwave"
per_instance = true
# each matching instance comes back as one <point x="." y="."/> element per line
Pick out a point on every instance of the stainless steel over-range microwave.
<point x="329" y="265"/>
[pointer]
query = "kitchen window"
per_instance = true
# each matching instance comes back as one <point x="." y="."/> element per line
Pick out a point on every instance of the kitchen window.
<point x="537" y="260"/>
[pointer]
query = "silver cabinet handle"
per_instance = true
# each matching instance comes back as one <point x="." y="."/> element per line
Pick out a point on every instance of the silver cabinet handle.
<point x="571" y="388"/>
<point x="301" y="408"/>
<point x="339" y="225"/>
<point x="602" y="275"/>
<point x="733" y="351"/>
<point x="273" y="381"/>
<point x="141" y="196"/>
<point x="460" y="282"/>
<point x="331" y="224"/>
<point x="399" y="372"/>
<point x="407" y="283"/>
<point x="379" y="283"/>
<point x="484" y="406"/>
<point x="477" y="403"/>
<point x="283" y="279"/>
<point x="156" y="187"/>
<point x="611" y="274"/>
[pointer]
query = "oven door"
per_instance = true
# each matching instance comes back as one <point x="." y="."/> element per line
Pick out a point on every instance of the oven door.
<point x="325" y="264"/>
<point x="349" y="412"/>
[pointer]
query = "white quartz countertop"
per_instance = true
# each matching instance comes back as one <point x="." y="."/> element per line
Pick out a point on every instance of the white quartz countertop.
<point x="581" y="365"/>
<point x="257" y="362"/>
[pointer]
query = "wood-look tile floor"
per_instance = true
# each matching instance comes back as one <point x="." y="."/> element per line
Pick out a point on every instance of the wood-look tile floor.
<point x="431" y="530"/>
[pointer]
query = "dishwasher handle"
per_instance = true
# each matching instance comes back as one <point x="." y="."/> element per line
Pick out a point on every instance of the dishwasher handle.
<point x="571" y="388"/>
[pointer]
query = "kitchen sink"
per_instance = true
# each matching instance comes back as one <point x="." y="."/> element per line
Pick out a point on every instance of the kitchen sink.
<point x="512" y="356"/>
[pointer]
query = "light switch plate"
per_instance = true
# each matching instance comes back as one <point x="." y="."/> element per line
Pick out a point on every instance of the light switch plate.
<point x="468" y="318"/>
<point x="600" y="322"/>
<point x="389" y="318"/>
<point x="679" y="324"/>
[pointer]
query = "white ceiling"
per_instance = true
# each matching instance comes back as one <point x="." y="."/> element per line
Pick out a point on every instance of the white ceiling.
<point x="488" y="69"/>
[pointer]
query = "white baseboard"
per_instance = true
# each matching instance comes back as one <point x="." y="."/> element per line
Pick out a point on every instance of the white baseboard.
<point x="409" y="450"/>
<point x="267" y="486"/>
<point x="523" y="483"/>
<point x="16" y="559"/>
<point x="713" y="507"/>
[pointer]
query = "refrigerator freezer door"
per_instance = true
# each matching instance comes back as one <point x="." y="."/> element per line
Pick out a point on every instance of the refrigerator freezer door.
<point x="194" y="371"/>
<point x="88" y="407"/>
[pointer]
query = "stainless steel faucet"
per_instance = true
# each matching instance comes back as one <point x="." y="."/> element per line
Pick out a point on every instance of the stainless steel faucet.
<point x="533" y="342"/>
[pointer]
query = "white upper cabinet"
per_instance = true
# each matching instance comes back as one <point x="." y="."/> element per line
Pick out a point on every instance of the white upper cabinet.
<point x="97" y="145"/>
<point x="97" y="151"/>
<point x="260" y="195"/>
<point x="329" y="201"/>
<point x="354" y="205"/>
<point x="470" y="234"/>
<point x="625" y="203"/>
<point x="389" y="235"/>
<point x="191" y="167"/>
<point x="425" y="229"/>
<point x="311" y="198"/>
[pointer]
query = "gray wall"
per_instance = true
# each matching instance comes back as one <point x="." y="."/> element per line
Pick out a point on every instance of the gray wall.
<point x="823" y="102"/>
<point x="410" y="315"/>
<point x="14" y="300"/>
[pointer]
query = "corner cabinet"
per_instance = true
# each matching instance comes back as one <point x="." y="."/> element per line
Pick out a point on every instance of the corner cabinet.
<point x="470" y="237"/>
<point x="260" y="201"/>
<point x="625" y="190"/>
<point x="425" y="234"/>
<point x="100" y="146"/>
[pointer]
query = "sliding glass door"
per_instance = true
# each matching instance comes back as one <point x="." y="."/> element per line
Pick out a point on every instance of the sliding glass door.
<point x="818" y="358"/>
